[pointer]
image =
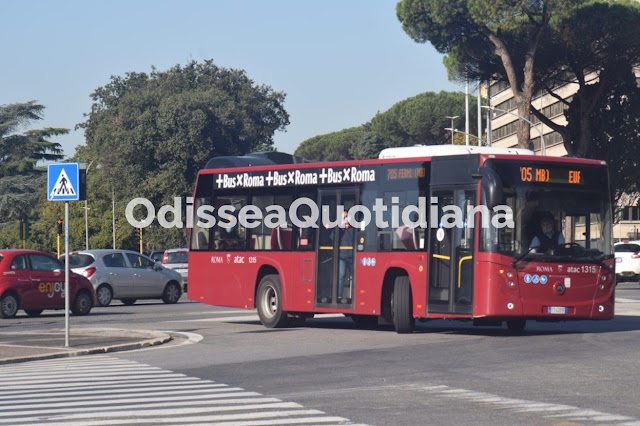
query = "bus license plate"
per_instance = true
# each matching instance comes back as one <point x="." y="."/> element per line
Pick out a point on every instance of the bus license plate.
<point x="561" y="310"/>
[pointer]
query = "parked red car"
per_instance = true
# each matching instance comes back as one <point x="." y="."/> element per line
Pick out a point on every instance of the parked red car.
<point x="34" y="281"/>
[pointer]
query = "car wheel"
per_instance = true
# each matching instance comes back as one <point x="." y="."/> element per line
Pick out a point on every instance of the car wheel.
<point x="128" y="302"/>
<point x="9" y="305"/>
<point x="269" y="303"/>
<point x="83" y="304"/>
<point x="33" y="312"/>
<point x="104" y="294"/>
<point x="171" y="293"/>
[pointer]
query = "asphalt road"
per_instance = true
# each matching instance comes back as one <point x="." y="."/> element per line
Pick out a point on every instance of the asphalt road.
<point x="445" y="373"/>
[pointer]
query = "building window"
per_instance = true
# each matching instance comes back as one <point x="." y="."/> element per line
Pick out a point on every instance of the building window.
<point x="631" y="213"/>
<point x="550" y="139"/>
<point x="504" y="131"/>
<point x="553" y="110"/>
<point x="499" y="86"/>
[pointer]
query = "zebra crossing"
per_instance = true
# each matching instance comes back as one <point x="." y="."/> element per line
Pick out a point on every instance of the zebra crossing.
<point x="559" y="413"/>
<point x="103" y="390"/>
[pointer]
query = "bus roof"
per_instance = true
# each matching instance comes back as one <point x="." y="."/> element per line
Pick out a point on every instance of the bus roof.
<point x="441" y="150"/>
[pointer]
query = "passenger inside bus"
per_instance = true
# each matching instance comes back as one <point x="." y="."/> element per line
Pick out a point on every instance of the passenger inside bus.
<point x="545" y="236"/>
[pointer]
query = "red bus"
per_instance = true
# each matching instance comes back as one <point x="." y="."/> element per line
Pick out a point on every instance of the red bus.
<point x="432" y="252"/>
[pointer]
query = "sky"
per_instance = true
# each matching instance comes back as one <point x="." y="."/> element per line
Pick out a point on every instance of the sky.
<point x="339" y="62"/>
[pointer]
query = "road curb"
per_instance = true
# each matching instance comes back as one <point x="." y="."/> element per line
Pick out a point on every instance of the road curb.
<point x="158" y="338"/>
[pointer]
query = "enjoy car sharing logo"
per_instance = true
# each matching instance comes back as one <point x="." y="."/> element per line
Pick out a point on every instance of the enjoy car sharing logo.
<point x="305" y="213"/>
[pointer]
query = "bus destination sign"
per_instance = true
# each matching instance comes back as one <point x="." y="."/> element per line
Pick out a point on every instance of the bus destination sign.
<point x="550" y="174"/>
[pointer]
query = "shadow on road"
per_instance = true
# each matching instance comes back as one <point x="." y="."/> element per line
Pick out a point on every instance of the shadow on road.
<point x="621" y="323"/>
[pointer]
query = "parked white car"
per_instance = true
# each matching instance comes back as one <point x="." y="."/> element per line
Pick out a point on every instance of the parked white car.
<point x="125" y="275"/>
<point x="627" y="260"/>
<point x="178" y="260"/>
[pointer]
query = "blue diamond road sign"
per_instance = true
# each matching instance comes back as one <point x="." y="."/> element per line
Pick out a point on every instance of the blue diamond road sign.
<point x="63" y="182"/>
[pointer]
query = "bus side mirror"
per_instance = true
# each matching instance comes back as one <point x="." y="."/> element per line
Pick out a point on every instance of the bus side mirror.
<point x="491" y="187"/>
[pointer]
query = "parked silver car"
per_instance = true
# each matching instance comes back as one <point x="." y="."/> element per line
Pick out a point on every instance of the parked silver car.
<point x="157" y="255"/>
<point x="178" y="260"/>
<point x="125" y="275"/>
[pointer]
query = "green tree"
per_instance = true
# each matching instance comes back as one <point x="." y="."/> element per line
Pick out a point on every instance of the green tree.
<point x="20" y="152"/>
<point x="151" y="133"/>
<point x="503" y="32"/>
<point x="368" y="145"/>
<point x="422" y="119"/>
<point x="22" y="182"/>
<point x="615" y="131"/>
<point x="595" y="47"/>
<point x="335" y="146"/>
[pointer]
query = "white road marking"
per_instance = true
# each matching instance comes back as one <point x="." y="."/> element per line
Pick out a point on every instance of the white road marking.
<point x="549" y="410"/>
<point x="101" y="390"/>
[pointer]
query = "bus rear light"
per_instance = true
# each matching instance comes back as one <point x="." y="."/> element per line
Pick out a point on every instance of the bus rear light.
<point x="88" y="272"/>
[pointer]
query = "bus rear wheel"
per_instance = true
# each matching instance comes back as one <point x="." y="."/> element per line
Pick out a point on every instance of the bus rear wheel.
<point x="269" y="302"/>
<point x="401" y="305"/>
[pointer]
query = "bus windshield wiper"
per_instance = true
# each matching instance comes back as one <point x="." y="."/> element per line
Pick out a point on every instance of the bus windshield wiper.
<point x="522" y="256"/>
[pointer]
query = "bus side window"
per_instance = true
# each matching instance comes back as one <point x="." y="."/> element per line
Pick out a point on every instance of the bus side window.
<point x="305" y="236"/>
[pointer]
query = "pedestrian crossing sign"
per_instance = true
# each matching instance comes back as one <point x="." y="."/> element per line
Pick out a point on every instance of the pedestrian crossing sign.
<point x="63" y="182"/>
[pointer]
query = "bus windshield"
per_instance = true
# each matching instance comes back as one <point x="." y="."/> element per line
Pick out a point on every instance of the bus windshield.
<point x="561" y="213"/>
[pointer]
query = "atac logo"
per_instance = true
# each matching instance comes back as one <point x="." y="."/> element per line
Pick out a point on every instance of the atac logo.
<point x="560" y="268"/>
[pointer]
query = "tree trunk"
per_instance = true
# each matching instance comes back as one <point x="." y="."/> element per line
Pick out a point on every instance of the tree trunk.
<point x="584" y="139"/>
<point x="524" y="129"/>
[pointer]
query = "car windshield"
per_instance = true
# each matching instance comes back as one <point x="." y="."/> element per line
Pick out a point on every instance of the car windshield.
<point x="157" y="255"/>
<point x="177" y="257"/>
<point x="627" y="248"/>
<point x="79" y="260"/>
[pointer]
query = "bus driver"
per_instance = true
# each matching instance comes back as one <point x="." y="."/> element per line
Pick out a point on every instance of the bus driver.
<point x="546" y="236"/>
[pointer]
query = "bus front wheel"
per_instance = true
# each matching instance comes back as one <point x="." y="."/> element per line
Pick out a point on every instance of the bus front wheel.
<point x="401" y="305"/>
<point x="269" y="302"/>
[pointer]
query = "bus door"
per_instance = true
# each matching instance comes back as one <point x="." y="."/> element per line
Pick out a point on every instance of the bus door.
<point x="335" y="250"/>
<point x="451" y="253"/>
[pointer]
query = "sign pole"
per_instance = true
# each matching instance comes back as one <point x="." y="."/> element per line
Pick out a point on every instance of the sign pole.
<point x="66" y="274"/>
<point x="65" y="183"/>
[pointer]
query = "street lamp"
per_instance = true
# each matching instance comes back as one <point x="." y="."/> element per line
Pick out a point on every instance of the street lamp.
<point x="113" y="215"/>
<point x="86" y="214"/>
<point x="542" y="144"/>
<point x="464" y="133"/>
<point x="451" y="118"/>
